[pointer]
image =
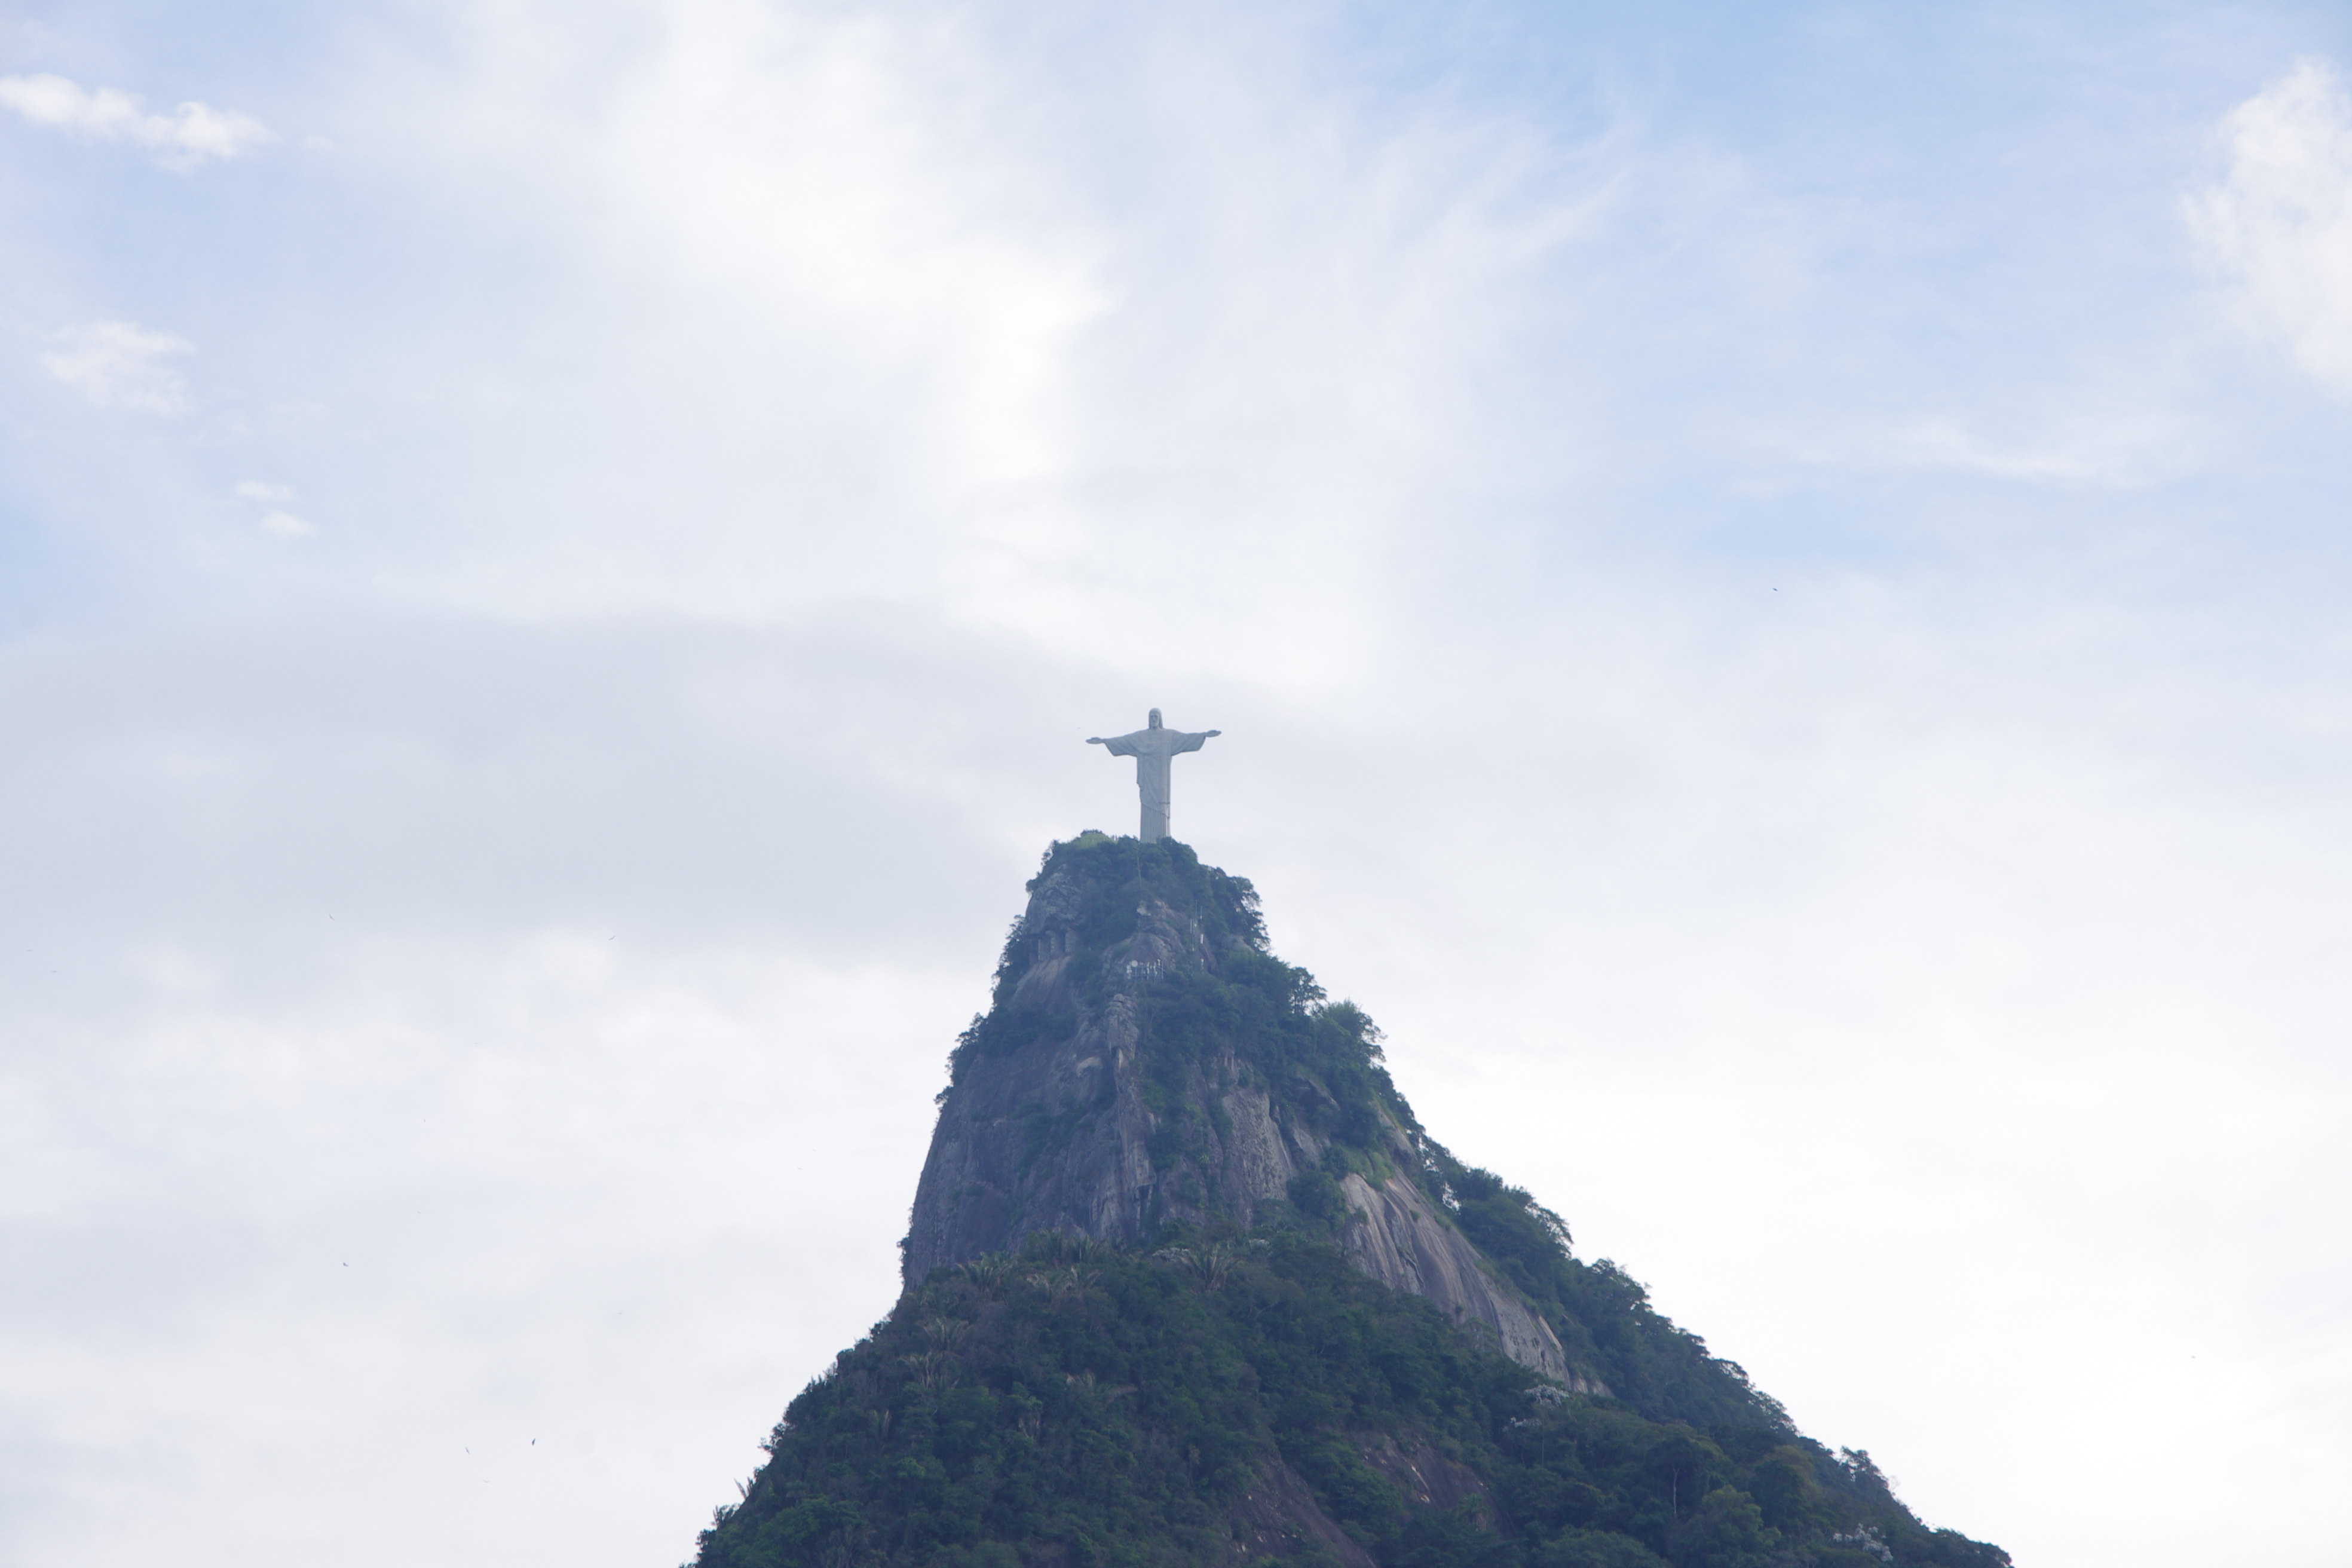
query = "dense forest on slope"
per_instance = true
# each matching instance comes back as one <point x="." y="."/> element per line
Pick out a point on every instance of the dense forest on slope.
<point x="1084" y="1406"/>
<point x="1229" y="1385"/>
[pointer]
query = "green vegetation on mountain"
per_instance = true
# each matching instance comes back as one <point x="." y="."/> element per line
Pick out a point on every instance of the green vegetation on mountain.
<point x="1082" y="1405"/>
<point x="1232" y="1385"/>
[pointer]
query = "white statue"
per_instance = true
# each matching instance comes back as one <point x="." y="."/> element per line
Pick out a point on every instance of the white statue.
<point x="1152" y="746"/>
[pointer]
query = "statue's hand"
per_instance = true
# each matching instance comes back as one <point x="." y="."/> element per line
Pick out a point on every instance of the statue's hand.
<point x="1097" y="740"/>
<point x="1213" y="732"/>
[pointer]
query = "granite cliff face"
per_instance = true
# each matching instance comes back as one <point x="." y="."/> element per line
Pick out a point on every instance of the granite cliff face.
<point x="1123" y="1083"/>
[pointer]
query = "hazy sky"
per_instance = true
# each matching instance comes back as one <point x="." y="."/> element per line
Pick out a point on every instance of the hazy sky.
<point x="1773" y="577"/>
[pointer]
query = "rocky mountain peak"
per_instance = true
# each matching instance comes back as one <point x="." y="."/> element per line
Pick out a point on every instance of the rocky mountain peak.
<point x="1188" y="1284"/>
<point x="1148" y="1065"/>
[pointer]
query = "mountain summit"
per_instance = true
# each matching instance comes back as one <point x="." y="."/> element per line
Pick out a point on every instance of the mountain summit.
<point x="1147" y="1064"/>
<point x="1188" y="1283"/>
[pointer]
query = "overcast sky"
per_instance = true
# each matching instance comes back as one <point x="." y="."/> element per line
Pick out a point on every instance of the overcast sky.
<point x="1773" y="577"/>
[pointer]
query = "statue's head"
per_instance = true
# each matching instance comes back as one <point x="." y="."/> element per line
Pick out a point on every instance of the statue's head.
<point x="1155" y="718"/>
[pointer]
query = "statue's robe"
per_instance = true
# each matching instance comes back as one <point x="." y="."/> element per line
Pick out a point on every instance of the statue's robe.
<point x="1151" y="749"/>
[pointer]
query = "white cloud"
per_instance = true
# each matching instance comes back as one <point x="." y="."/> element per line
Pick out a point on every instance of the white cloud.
<point x="868" y="237"/>
<point x="2280" y="224"/>
<point x="121" y="364"/>
<point x="189" y="135"/>
<point x="277" y="520"/>
<point x="2074" y="438"/>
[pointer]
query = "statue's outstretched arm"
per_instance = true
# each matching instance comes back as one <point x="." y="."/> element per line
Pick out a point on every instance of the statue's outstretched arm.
<point x="1097" y="740"/>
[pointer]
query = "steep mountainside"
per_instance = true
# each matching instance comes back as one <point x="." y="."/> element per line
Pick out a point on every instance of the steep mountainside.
<point x="1188" y="1283"/>
<point x="1148" y="1063"/>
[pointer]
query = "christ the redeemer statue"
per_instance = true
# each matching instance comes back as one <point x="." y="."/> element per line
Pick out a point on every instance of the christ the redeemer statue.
<point x="1151" y="747"/>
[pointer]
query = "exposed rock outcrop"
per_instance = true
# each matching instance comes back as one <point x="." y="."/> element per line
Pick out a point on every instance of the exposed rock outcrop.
<point x="1071" y="1110"/>
<point x="1395" y="1235"/>
<point x="1427" y="1478"/>
<point x="1279" y="1515"/>
<point x="1057" y="1133"/>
